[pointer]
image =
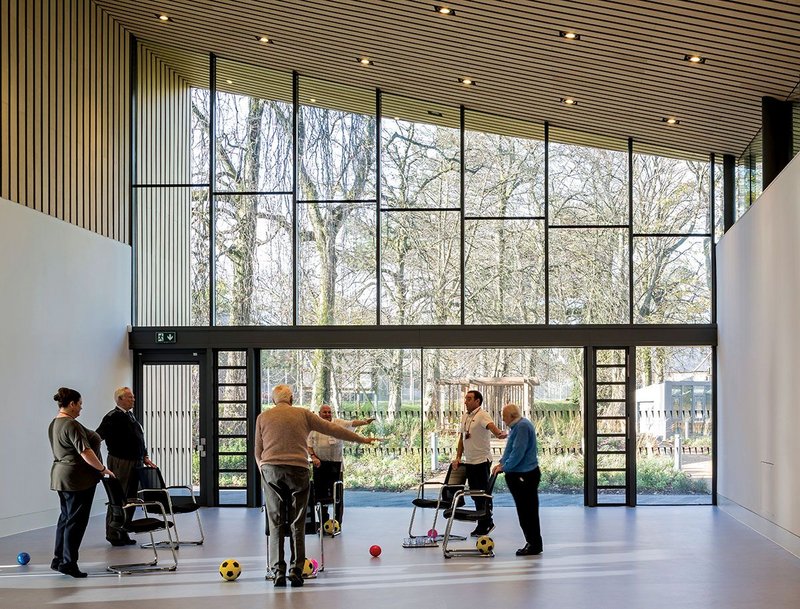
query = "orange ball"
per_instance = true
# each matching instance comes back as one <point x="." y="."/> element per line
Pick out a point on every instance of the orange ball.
<point x="375" y="550"/>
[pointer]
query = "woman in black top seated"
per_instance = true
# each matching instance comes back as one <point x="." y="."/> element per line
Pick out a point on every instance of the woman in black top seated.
<point x="75" y="473"/>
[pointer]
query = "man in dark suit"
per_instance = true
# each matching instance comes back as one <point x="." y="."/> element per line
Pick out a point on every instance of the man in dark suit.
<point x="127" y="450"/>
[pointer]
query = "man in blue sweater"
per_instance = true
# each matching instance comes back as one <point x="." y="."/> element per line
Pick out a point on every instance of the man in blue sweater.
<point x="520" y="465"/>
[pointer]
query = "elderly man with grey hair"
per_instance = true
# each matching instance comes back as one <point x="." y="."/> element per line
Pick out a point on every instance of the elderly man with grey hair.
<point x="520" y="464"/>
<point x="282" y="456"/>
<point x="127" y="450"/>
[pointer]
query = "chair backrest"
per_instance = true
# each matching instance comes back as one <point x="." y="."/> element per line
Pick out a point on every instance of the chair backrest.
<point x="453" y="476"/>
<point x="116" y="499"/>
<point x="150" y="477"/>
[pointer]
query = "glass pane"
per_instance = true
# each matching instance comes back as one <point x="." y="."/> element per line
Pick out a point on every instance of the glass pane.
<point x="200" y="113"/>
<point x="588" y="185"/>
<point x="172" y="256"/>
<point x="337" y="144"/>
<point x="420" y="268"/>
<point x="719" y="197"/>
<point x="547" y="386"/>
<point x="504" y="271"/>
<point x="420" y="162"/>
<point x="254" y="260"/>
<point x="337" y="264"/>
<point x="589" y="276"/>
<point x="359" y="384"/>
<point x="672" y="280"/>
<point x="254" y="129"/>
<point x="233" y="428"/>
<point x="670" y="195"/>
<point x="233" y="410"/>
<point x="674" y="425"/>
<point x="232" y="445"/>
<point x="504" y="174"/>
<point x="611" y="392"/>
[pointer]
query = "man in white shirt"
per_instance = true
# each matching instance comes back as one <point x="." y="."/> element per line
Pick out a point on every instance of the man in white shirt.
<point x="326" y="457"/>
<point x="474" y="452"/>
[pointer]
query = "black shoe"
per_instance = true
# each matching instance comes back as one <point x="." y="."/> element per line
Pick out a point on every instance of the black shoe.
<point x="280" y="581"/>
<point x="71" y="570"/>
<point x="55" y="563"/>
<point x="296" y="580"/>
<point x="122" y="542"/>
<point x="480" y="532"/>
<point x="529" y="550"/>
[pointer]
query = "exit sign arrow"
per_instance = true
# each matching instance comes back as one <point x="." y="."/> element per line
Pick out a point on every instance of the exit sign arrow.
<point x="168" y="337"/>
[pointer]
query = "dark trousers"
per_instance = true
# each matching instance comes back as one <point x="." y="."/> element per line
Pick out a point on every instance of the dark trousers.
<point x="524" y="488"/>
<point x="294" y="482"/>
<point x="125" y="471"/>
<point x="325" y="475"/>
<point x="478" y="479"/>
<point x="76" y="506"/>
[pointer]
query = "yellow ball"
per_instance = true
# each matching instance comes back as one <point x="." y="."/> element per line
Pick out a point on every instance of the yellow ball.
<point x="230" y="569"/>
<point x="331" y="527"/>
<point x="485" y="544"/>
<point x="308" y="568"/>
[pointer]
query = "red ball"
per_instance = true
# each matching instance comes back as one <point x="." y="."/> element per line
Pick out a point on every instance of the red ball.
<point x="375" y="550"/>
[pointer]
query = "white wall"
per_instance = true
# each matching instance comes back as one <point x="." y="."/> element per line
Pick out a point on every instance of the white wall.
<point x="64" y="312"/>
<point x="758" y="292"/>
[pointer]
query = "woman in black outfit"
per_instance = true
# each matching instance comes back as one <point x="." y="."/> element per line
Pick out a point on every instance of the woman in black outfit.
<point x="75" y="473"/>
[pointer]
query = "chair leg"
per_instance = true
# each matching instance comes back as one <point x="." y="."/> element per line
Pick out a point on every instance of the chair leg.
<point x="321" y="539"/>
<point x="147" y="567"/>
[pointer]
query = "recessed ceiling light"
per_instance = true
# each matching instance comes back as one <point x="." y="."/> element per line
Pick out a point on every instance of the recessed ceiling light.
<point x="468" y="82"/>
<point x="443" y="10"/>
<point x="366" y="61"/>
<point x="570" y="35"/>
<point x="312" y="100"/>
<point x="568" y="101"/>
<point x="434" y="113"/>
<point x="163" y="17"/>
<point x="671" y="120"/>
<point x="264" y="39"/>
<point x="229" y="81"/>
<point x="694" y="59"/>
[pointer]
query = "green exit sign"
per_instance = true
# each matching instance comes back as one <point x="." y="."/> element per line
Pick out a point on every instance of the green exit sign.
<point x="166" y="338"/>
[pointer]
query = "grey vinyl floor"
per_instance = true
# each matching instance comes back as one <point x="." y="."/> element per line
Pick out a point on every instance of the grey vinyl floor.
<point x="621" y="558"/>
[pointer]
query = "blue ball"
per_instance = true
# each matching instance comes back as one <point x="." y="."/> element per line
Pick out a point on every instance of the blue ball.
<point x="23" y="558"/>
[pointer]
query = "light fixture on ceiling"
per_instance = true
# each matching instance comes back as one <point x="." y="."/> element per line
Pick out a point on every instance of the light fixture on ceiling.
<point x="434" y="113"/>
<point x="670" y="120"/>
<point x="229" y="81"/>
<point x="312" y="100"/>
<point x="568" y="101"/>
<point x="164" y="18"/>
<point x="467" y="82"/>
<point x="365" y="61"/>
<point x="265" y="40"/>
<point x="570" y="35"/>
<point x="694" y="58"/>
<point x="444" y="10"/>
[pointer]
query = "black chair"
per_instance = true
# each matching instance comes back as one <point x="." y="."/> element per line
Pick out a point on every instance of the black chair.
<point x="123" y="519"/>
<point x="328" y="490"/>
<point x="454" y="481"/>
<point x="153" y="488"/>
<point x="454" y="512"/>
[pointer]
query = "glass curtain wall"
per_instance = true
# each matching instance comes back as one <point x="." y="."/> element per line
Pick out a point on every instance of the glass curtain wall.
<point x="296" y="201"/>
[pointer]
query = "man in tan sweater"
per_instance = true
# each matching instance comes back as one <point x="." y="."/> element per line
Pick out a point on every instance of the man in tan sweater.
<point x="282" y="456"/>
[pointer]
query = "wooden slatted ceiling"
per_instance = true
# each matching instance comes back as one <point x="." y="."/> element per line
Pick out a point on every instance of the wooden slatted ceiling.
<point x="627" y="71"/>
